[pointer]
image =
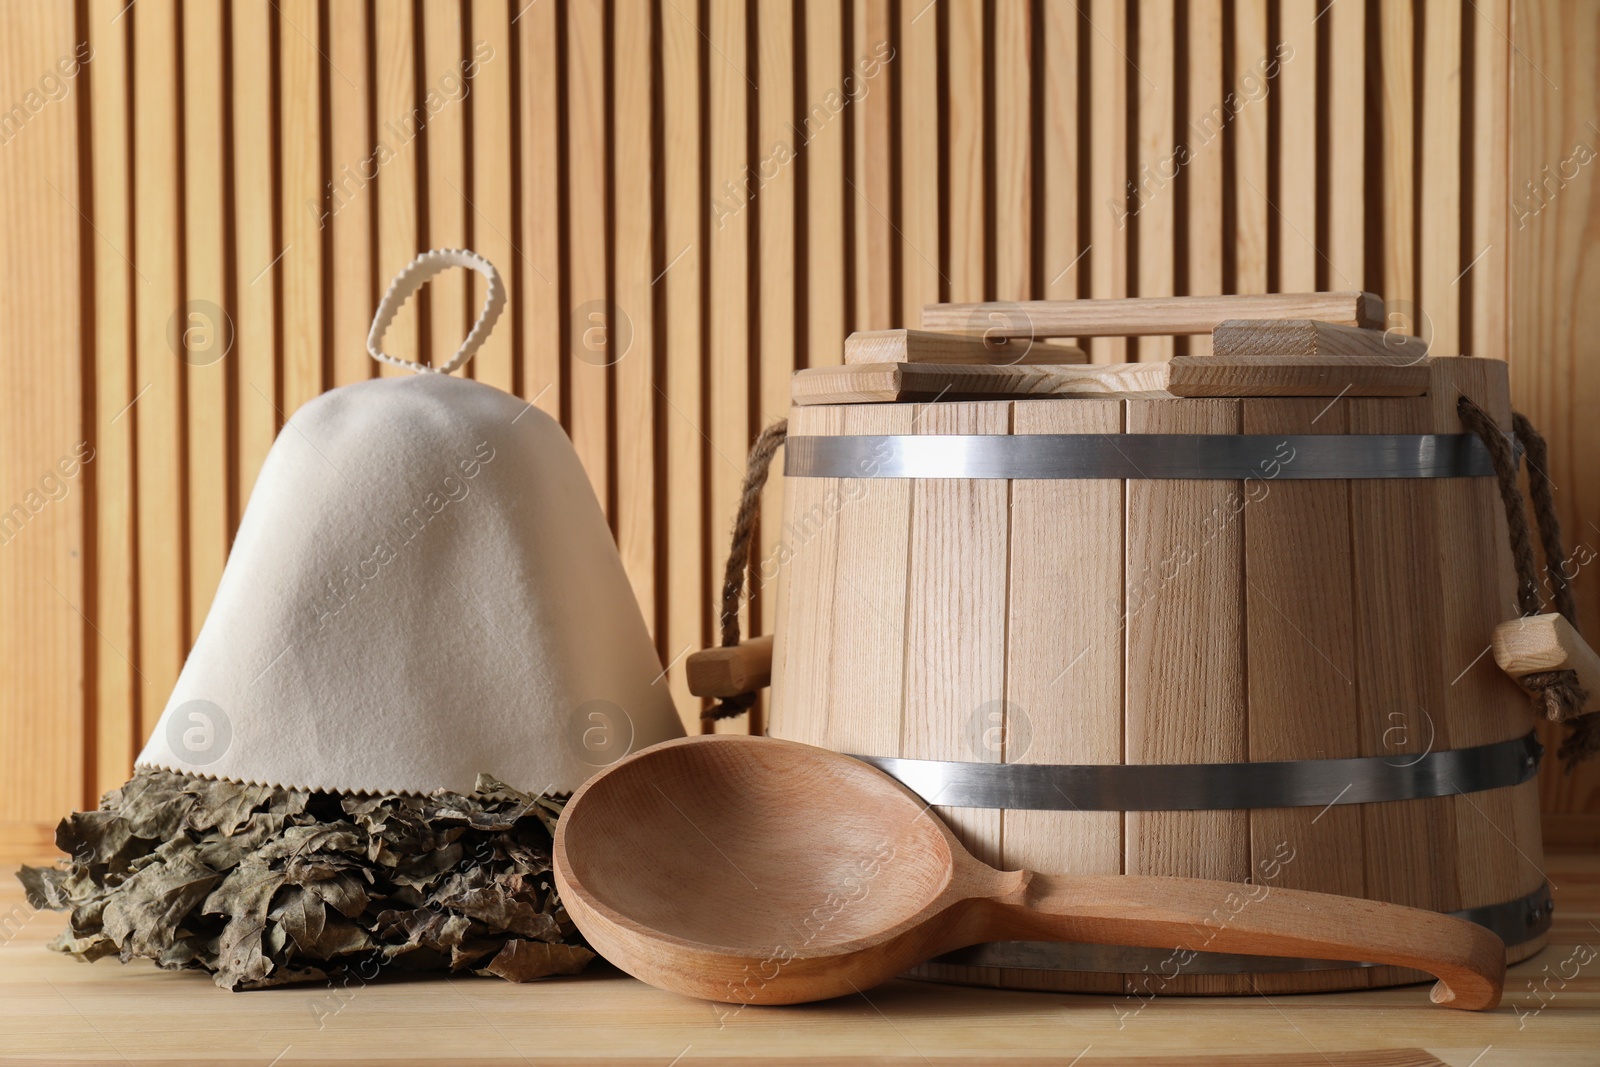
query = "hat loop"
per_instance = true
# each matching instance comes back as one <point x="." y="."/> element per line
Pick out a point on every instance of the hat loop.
<point x="411" y="278"/>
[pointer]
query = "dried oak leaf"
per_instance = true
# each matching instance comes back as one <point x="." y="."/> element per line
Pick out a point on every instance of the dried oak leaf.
<point x="524" y="961"/>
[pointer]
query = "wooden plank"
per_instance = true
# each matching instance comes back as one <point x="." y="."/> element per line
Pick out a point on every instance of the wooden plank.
<point x="874" y="129"/>
<point x="921" y="346"/>
<point x="1404" y="698"/>
<point x="776" y="206"/>
<point x="1304" y="337"/>
<point x="1253" y="54"/>
<point x="1193" y="376"/>
<point x="255" y="319"/>
<point x="116" y="692"/>
<point x="591" y="326"/>
<point x="634" y="270"/>
<point x="1184" y="689"/>
<point x="1477" y="586"/>
<point x="539" y="173"/>
<point x="822" y="149"/>
<point x="965" y="148"/>
<point x="352" y="169"/>
<point x="1395" y="36"/>
<point x="207" y="332"/>
<point x="44" y="443"/>
<point x="400" y="235"/>
<point x="1107" y="170"/>
<point x="957" y="568"/>
<point x="163" y="627"/>
<point x="1439" y="196"/>
<point x="1295" y="97"/>
<point x="1064" y="242"/>
<point x="917" y="56"/>
<point x="1141" y="316"/>
<point x="1346" y="102"/>
<point x="807" y="614"/>
<point x="1300" y="631"/>
<point x="1536" y="643"/>
<point x="1155" y="195"/>
<point x="728" y="416"/>
<point x="687" y="558"/>
<point x="489" y="208"/>
<point x="1488" y="256"/>
<point x="300" y="183"/>
<point x="1063" y="700"/>
<point x="863" y="704"/>
<point x="1203" y="173"/>
<point x="445" y="97"/>
<point x="1015" y="214"/>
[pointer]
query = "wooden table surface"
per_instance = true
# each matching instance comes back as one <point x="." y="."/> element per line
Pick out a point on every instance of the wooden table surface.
<point x="55" y="1010"/>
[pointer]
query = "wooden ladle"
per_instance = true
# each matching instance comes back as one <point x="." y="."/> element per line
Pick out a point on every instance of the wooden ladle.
<point x="756" y="871"/>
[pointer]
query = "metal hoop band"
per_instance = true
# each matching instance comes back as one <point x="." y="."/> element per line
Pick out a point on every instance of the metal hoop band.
<point x="1212" y="786"/>
<point x="1155" y="455"/>
<point x="1513" y="921"/>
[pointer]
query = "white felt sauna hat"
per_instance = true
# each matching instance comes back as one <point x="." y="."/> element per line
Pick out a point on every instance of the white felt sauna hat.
<point x="423" y="587"/>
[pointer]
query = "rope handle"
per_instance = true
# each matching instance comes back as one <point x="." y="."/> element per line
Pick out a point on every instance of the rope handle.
<point x="1557" y="693"/>
<point x="739" y="577"/>
<point x="412" y="277"/>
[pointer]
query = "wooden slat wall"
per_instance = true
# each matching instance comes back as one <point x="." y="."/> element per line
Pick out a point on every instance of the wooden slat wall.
<point x="688" y="199"/>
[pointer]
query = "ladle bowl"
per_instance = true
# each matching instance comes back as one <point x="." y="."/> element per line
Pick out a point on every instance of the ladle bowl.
<point x="751" y="870"/>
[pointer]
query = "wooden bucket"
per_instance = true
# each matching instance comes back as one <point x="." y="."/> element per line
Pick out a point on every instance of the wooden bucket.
<point x="1302" y="658"/>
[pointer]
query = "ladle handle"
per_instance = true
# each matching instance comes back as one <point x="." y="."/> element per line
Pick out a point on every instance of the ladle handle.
<point x="1197" y="915"/>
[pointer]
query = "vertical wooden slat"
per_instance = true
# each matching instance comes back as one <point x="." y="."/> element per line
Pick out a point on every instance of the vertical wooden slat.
<point x="777" y="204"/>
<point x="1401" y="685"/>
<point x="1203" y="133"/>
<point x="255" y="240"/>
<point x="351" y="169"/>
<point x="683" y="204"/>
<point x="1399" y="138"/>
<point x="399" y="125"/>
<point x="1489" y="255"/>
<point x="802" y="646"/>
<point x="636" y="176"/>
<point x="1107" y="164"/>
<point x="1014" y="210"/>
<point x="1249" y="130"/>
<point x="1300" y="630"/>
<point x="1063" y="700"/>
<point x="538" y="95"/>
<point x="489" y="59"/>
<point x="1439" y="197"/>
<point x="1184" y="698"/>
<point x="1154" y="194"/>
<point x="822" y="133"/>
<point x="116" y="692"/>
<point x="1063" y="237"/>
<point x="1296" y="101"/>
<point x="728" y="417"/>
<point x="163" y="630"/>
<point x="207" y="325"/>
<point x="42" y="659"/>
<point x="589" y="349"/>
<point x="874" y="134"/>
<point x="966" y="150"/>
<point x="917" y="56"/>
<point x="300" y="196"/>
<point x="957" y="564"/>
<point x="1346" y="103"/>
<point x="447" y="100"/>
